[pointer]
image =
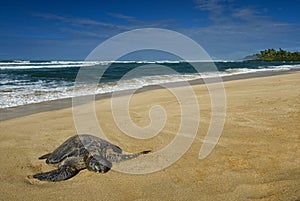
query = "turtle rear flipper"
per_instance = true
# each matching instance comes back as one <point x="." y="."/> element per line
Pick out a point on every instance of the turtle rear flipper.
<point x="62" y="173"/>
<point x="45" y="156"/>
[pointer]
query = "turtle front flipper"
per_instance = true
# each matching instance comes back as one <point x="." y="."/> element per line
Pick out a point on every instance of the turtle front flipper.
<point x="98" y="164"/>
<point x="62" y="173"/>
<point x="69" y="168"/>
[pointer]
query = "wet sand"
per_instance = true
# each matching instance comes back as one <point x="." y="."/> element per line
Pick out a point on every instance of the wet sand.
<point x="257" y="157"/>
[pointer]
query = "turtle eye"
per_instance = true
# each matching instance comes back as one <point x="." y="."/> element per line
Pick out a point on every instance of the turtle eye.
<point x="97" y="168"/>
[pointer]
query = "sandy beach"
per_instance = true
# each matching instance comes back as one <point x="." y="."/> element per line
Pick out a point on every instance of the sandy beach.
<point x="257" y="157"/>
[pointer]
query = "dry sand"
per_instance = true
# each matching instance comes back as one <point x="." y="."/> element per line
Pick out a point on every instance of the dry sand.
<point x="257" y="157"/>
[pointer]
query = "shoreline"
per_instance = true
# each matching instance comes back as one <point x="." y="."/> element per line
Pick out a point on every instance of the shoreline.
<point x="34" y="108"/>
<point x="29" y="109"/>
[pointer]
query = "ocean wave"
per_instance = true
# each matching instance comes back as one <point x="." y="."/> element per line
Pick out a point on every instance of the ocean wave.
<point x="68" y="64"/>
<point x="16" y="91"/>
<point x="41" y="91"/>
<point x="235" y="71"/>
<point x="18" y="67"/>
<point x="285" y="67"/>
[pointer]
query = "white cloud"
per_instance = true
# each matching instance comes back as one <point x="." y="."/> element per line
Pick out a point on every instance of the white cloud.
<point x="211" y="5"/>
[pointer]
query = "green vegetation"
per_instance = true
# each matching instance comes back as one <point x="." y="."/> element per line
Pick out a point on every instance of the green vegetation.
<point x="275" y="55"/>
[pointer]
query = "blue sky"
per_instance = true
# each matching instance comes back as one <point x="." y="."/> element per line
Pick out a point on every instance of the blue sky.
<point x="69" y="30"/>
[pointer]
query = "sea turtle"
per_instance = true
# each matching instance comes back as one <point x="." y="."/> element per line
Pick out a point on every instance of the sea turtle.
<point x="80" y="152"/>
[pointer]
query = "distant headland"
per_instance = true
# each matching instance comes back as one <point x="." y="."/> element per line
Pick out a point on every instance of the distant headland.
<point x="274" y="55"/>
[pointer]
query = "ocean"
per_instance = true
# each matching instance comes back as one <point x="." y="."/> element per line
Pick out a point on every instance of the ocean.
<point x="28" y="82"/>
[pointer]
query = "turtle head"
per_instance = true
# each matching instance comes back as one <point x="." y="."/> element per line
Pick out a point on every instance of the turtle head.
<point x="98" y="164"/>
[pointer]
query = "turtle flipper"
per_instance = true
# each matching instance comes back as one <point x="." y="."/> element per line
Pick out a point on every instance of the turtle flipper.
<point x="45" y="156"/>
<point x="125" y="157"/>
<point x="69" y="168"/>
<point x="98" y="164"/>
<point x="62" y="173"/>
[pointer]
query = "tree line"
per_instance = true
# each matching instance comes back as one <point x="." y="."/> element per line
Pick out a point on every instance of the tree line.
<point x="275" y="55"/>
